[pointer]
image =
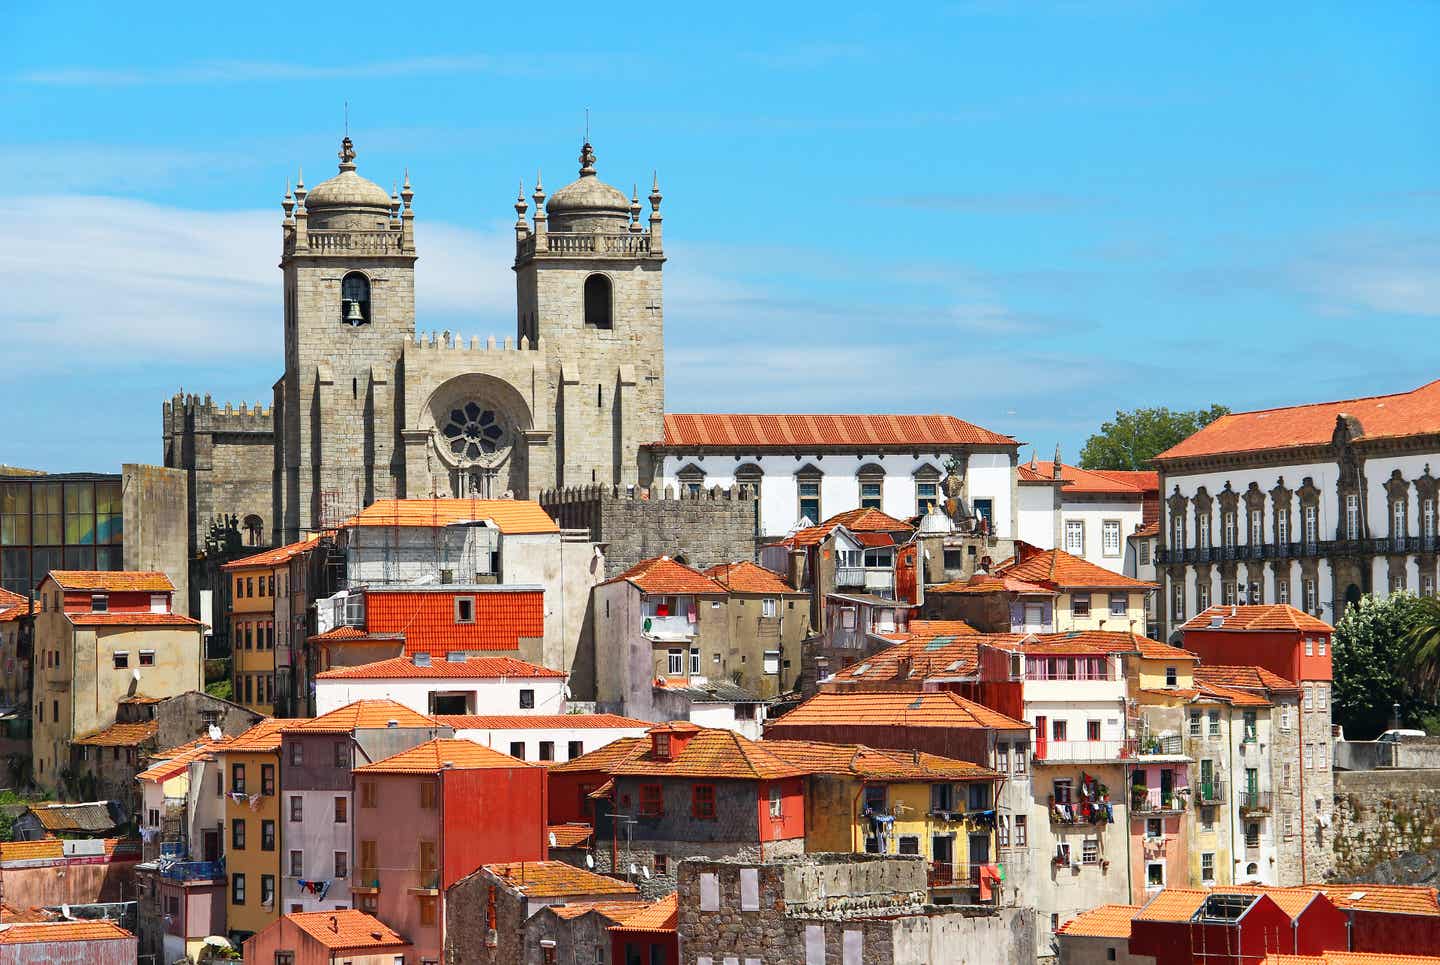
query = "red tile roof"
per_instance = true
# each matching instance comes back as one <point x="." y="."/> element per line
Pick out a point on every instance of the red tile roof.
<point x="663" y="575"/>
<point x="868" y="520"/>
<point x="12" y="613"/>
<point x="928" y="709"/>
<point x="539" y="721"/>
<point x="746" y="577"/>
<point x="1075" y="480"/>
<point x="730" y="431"/>
<point x="444" y="753"/>
<point x="715" y="753"/>
<point x="113" y="619"/>
<point x="8" y="599"/>
<point x="556" y="879"/>
<point x="1256" y="617"/>
<point x="1063" y="571"/>
<point x="169" y="763"/>
<point x="427" y="619"/>
<point x="982" y="583"/>
<point x="348" y="929"/>
<point x="360" y="715"/>
<point x="122" y="735"/>
<point x="927" y="652"/>
<point x="1392" y="899"/>
<point x="877" y="764"/>
<point x="1106" y="921"/>
<point x="1149" y="529"/>
<point x="658" y="917"/>
<point x="31" y="933"/>
<point x="1252" y="678"/>
<point x="276" y="557"/>
<point x="1351" y="958"/>
<point x="475" y="668"/>
<point x="571" y="834"/>
<point x="604" y="759"/>
<point x="509" y="516"/>
<point x="262" y="738"/>
<point x="1232" y="695"/>
<point x="112" y="581"/>
<point x="1117" y="641"/>
<point x="353" y="635"/>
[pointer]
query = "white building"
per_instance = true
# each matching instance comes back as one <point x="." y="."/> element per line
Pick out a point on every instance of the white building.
<point x="813" y="467"/>
<point x="544" y="737"/>
<point x="1087" y="513"/>
<point x="483" y="686"/>
<point x="1312" y="505"/>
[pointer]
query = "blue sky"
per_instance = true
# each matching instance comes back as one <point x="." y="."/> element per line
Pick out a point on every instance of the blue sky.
<point x="1024" y="214"/>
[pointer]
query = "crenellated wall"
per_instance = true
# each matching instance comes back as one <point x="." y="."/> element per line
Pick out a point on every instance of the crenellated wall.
<point x="227" y="452"/>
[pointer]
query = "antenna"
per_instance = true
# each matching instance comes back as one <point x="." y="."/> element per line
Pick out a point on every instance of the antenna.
<point x="347" y="118"/>
<point x="587" y="125"/>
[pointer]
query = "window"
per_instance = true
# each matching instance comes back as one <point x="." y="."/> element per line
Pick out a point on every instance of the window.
<point x="1021" y="830"/>
<point x="237" y="778"/>
<point x="464" y="609"/>
<point x="342" y="810"/>
<point x="662" y="864"/>
<point x="1110" y="537"/>
<point x="147" y="658"/>
<point x="694" y="661"/>
<point x="237" y="834"/>
<point x="985" y="513"/>
<point x="527" y="699"/>
<point x="675" y="663"/>
<point x="1282" y="591"/>
<point x="427" y="906"/>
<point x="767" y="607"/>
<point x="1059" y="731"/>
<point x="809" y="490"/>
<point x="1285" y="775"/>
<point x="1322" y="692"/>
<point x="267" y="835"/>
<point x="1177" y="599"/>
<point x="1257" y="533"/>
<point x="1092" y="730"/>
<point x="652" y="802"/>
<point x="1063" y="790"/>
<point x="237" y="889"/>
<point x="702" y="802"/>
<point x="1227" y="528"/>
<point x="1352" y="516"/>
<point x="871" y="484"/>
<point x="1119" y="604"/>
<point x="297" y="808"/>
<point x="517" y="750"/>
<point x="267" y="779"/>
<point x="1172" y="677"/>
<point x="122" y="659"/>
<point x="1214" y="723"/>
<point x="1309" y="696"/>
<point x="1154" y="828"/>
<point x="574" y="749"/>
<point x="1250" y="720"/>
<point x="1155" y="874"/>
<point x="927" y="491"/>
<point x="1320" y="646"/>
<point x="1002" y="757"/>
<point x="1309" y="598"/>
<point x="1194" y="718"/>
<point x="1090" y="851"/>
<point x="297" y="754"/>
<point x="1143" y="551"/>
<point x="1227" y="593"/>
<point x="367" y="794"/>
<point x="1075" y="537"/>
<point x="1285" y="718"/>
<point x="1202" y="596"/>
<point x="598" y="302"/>
<point x="1207" y="867"/>
<point x="1252" y="837"/>
<point x="777" y="802"/>
<point x="1080" y="604"/>
<point x="1202" y="530"/>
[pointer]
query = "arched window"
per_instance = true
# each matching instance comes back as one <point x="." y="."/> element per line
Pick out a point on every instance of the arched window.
<point x="927" y="489"/>
<point x="598" y="302"/>
<point x="749" y="476"/>
<point x="355" y="299"/>
<point x="692" y="479"/>
<point x="872" y="486"/>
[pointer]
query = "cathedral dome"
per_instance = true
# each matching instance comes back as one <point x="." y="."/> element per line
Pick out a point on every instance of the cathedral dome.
<point x="588" y="204"/>
<point x="347" y="200"/>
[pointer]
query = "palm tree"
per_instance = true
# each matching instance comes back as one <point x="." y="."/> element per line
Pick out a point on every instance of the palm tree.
<point x="1420" y="646"/>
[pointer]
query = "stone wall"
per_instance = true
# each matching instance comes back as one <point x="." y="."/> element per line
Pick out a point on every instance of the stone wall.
<point x="155" y="506"/>
<point x="228" y="455"/>
<point x="1382" y="815"/>
<point x="719" y="526"/>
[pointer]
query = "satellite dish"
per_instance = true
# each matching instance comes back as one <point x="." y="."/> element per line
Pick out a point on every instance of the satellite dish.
<point x="632" y="867"/>
<point x="135" y="672"/>
<point x="568" y="695"/>
<point x="552" y="839"/>
<point x="647" y="873"/>
<point x="214" y="733"/>
<point x="589" y="861"/>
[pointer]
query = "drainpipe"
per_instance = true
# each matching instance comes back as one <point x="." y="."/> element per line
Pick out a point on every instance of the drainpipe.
<point x="1299" y="767"/>
<point x="1234" y="777"/>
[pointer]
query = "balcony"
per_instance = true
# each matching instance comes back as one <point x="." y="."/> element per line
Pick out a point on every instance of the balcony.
<point x="366" y="881"/>
<point x="1254" y="802"/>
<point x="1076" y="813"/>
<point x="1210" y="792"/>
<point x="1083" y="752"/>
<point x="428" y="882"/>
<point x="946" y="874"/>
<point x="1151" y="800"/>
<point x="193" y="871"/>
<point x="667" y="627"/>
<point x="1302" y="549"/>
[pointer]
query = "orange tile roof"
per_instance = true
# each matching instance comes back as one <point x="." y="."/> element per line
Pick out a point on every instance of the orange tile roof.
<point x="13" y="613"/>
<point x="8" y="599"/>
<point x="360" y="715"/>
<point x="1394" y="899"/>
<point x="121" y="735"/>
<point x="112" y="581"/>
<point x="1061" y="570"/>
<point x="1256" y="617"/>
<point x="982" y="583"/>
<point x="444" y="753"/>
<point x="1232" y="695"/>
<point x="169" y="763"/>
<point x="262" y="737"/>
<point x="1105" y="921"/>
<point x="939" y="708"/>
<point x="571" y="834"/>
<point x="1076" y="480"/>
<point x="352" y="635"/>
<point x="509" y="516"/>
<point x="539" y="721"/>
<point x="868" y="520"/>
<point x="613" y="909"/>
<point x="604" y="759"/>
<point x="1402" y="414"/>
<point x="657" y="917"/>
<point x="275" y="557"/>
<point x="32" y="933"/>
<point x="1116" y="641"/>
<point x="661" y="574"/>
<point x="1351" y="958"/>
<point x="1149" y="529"/>
<point x="113" y="619"/>
<point x="556" y="879"/>
<point x="711" y="752"/>
<point x="427" y="619"/>
<point x="877" y="764"/>
<point x="346" y="928"/>
<point x="938" y="648"/>
<point x="1173" y="904"/>
<point x="31" y="850"/>
<point x="747" y="431"/>
<point x="9" y="914"/>
<point x="744" y="576"/>
<point x="475" y="668"/>
<point x="1253" y="678"/>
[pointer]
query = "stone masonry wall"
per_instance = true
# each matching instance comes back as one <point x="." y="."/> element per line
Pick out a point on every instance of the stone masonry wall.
<point x="228" y="455"/>
<point x="719" y="526"/>
<point x="1380" y="815"/>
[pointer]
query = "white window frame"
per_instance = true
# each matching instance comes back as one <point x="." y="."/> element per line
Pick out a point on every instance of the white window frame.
<point x="1352" y="515"/>
<point x="769" y="607"/>
<point x="1207" y="858"/>
<point x="1123" y="599"/>
<point x="1075" y="537"/>
<point x="1282" y="527"/>
<point x="1110" y="541"/>
<point x="1257" y="527"/>
<point x="1227" y="528"/>
<point x="460" y="603"/>
<point x="694" y="661"/>
<point x="674" y="662"/>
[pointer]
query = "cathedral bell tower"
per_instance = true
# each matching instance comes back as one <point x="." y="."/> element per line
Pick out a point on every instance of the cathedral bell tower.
<point x="588" y="289"/>
<point x="348" y="261"/>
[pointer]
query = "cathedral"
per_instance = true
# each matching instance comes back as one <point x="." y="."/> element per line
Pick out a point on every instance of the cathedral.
<point x="368" y="408"/>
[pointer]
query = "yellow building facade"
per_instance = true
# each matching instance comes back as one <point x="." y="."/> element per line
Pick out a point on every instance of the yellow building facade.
<point x="252" y="583"/>
<point x="253" y="829"/>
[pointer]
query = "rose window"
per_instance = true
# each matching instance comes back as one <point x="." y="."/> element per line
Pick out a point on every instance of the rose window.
<point x="473" y="432"/>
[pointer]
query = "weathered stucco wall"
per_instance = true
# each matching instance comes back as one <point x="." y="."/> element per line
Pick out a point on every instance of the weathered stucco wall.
<point x="155" y="507"/>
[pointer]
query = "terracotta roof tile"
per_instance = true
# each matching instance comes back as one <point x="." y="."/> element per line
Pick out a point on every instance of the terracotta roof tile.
<point x="510" y="516"/>
<point x="1115" y="641"/>
<point x="982" y="583"/>
<point x="169" y="763"/>
<point x="31" y="850"/>
<point x="12" y="613"/>
<point x="571" y="834"/>
<point x="122" y="735"/>
<point x="615" y="910"/>
<point x="360" y="715"/>
<point x="1231" y="695"/>
<point x="276" y="557"/>
<point x="112" y="581"/>
<point x="9" y="914"/>
<point x="9" y="599"/>
<point x="939" y="708"/>
<point x="1251" y="678"/>
<point x="539" y="721"/>
<point x="868" y="520"/>
<point x="1093" y="481"/>
<point x="556" y="879"/>
<point x="747" y="431"/>
<point x="427" y="619"/>
<point x="346" y="928"/>
<point x="877" y="764"/>
<point x="119" y="619"/>
<point x="444" y="753"/>
<point x="1412" y="413"/>
<point x="1256" y="617"/>
<point x="1106" y="921"/>
<point x="1149" y="529"/>
<point x="1351" y="958"/>
<point x="711" y="752"/>
<point x="474" y="668"/>
<point x="658" y="917"/>
<point x="262" y="737"/>
<point x="1061" y="570"/>
<point x="932" y="649"/>
<point x="604" y="759"/>
<point x="1392" y="899"/>
<point x="28" y="933"/>
<point x="1173" y="904"/>
<point x="744" y="576"/>
<point x="352" y="635"/>
<point x="661" y="574"/>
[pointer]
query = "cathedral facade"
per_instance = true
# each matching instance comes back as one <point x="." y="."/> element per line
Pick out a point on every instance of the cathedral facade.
<point x="368" y="408"/>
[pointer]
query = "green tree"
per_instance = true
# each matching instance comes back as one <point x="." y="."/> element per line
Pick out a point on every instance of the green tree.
<point x="1133" y="438"/>
<point x="1422" y="647"/>
<point x="1370" y="667"/>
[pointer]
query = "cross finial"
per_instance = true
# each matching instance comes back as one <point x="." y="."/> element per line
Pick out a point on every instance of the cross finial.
<point x="347" y="154"/>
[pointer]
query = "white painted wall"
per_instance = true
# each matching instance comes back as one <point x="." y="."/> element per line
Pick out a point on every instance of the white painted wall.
<point x="590" y="738"/>
<point x="1093" y="516"/>
<point x="1035" y="522"/>
<point x="723" y="716"/>
<point x="491" y="695"/>
<point x="319" y="837"/>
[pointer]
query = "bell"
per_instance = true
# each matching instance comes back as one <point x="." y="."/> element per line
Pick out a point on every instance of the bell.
<point x="353" y="315"/>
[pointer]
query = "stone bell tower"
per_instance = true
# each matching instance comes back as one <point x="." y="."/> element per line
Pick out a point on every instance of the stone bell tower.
<point x="348" y="261"/>
<point x="588" y="288"/>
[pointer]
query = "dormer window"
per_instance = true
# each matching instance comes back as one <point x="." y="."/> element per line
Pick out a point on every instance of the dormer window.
<point x="99" y="603"/>
<point x="464" y="609"/>
<point x="355" y="299"/>
<point x="662" y="746"/>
